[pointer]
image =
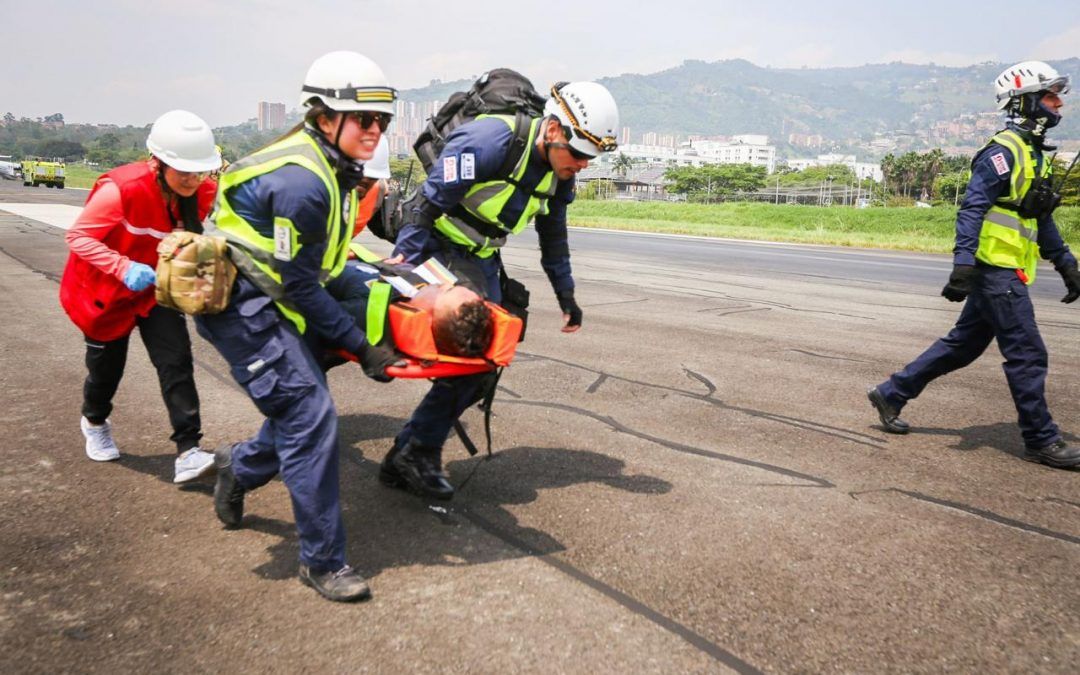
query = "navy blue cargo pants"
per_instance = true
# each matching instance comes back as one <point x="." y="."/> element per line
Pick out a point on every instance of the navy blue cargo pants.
<point x="449" y="397"/>
<point x="299" y="438"/>
<point x="999" y="308"/>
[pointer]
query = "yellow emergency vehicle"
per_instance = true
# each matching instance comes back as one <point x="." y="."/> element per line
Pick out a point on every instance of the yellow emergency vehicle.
<point x="38" y="171"/>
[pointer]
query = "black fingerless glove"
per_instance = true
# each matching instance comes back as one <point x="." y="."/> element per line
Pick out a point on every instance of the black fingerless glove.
<point x="569" y="306"/>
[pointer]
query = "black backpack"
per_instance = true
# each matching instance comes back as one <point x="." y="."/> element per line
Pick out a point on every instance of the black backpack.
<point x="498" y="92"/>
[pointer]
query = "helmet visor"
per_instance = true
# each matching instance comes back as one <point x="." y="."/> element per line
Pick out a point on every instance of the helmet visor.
<point x="1058" y="85"/>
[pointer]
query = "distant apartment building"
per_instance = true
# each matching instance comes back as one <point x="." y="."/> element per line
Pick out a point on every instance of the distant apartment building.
<point x="752" y="149"/>
<point x="410" y="118"/>
<point x="271" y="116"/>
<point x="624" y="137"/>
<point x="862" y="170"/>
<point x="745" y="149"/>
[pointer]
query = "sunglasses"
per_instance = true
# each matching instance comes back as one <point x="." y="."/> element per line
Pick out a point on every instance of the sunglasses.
<point x="365" y="117"/>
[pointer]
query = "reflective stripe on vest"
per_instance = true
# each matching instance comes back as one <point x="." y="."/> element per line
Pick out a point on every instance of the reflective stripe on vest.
<point x="375" y="317"/>
<point x="1006" y="239"/>
<point x="254" y="254"/>
<point x="485" y="202"/>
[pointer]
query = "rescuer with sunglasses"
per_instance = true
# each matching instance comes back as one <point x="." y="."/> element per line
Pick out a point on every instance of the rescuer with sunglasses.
<point x="465" y="209"/>
<point x="287" y="211"/>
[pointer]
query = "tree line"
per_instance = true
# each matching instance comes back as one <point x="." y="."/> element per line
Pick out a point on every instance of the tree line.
<point x="927" y="176"/>
<point x="913" y="176"/>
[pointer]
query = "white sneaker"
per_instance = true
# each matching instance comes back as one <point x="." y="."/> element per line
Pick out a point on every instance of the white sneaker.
<point x="192" y="464"/>
<point x="100" y="445"/>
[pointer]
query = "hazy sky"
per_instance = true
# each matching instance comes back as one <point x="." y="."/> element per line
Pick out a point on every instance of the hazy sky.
<point x="126" y="61"/>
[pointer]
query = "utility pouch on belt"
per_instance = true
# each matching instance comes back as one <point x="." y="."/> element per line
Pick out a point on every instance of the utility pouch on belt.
<point x="194" y="273"/>
<point x="515" y="299"/>
<point x="1040" y="200"/>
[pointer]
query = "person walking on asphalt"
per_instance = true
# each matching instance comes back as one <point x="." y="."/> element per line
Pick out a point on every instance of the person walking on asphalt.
<point x="465" y="210"/>
<point x="1004" y="224"/>
<point x="287" y="212"/>
<point x="107" y="286"/>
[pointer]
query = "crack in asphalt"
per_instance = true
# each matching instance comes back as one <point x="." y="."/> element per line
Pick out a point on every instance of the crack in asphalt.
<point x="679" y="447"/>
<point x="579" y="575"/>
<point x="48" y="275"/>
<point x="616" y="302"/>
<point x="982" y="514"/>
<point x="836" y="432"/>
<point x="596" y="385"/>
<point x="826" y="356"/>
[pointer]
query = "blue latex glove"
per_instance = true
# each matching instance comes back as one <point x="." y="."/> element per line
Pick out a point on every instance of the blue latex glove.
<point x="139" y="276"/>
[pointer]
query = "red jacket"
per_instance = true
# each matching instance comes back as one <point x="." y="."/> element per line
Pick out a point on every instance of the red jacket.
<point x="96" y="300"/>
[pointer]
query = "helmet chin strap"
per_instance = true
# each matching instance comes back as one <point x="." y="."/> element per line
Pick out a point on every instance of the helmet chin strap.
<point x="342" y="160"/>
<point x="1030" y="114"/>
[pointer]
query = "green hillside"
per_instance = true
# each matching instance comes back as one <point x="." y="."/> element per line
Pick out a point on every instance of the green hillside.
<point x="736" y="96"/>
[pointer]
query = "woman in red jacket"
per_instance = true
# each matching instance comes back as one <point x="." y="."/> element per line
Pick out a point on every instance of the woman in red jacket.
<point x="107" y="287"/>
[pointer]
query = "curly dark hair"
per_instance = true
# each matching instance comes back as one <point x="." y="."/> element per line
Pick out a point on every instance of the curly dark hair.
<point x="468" y="332"/>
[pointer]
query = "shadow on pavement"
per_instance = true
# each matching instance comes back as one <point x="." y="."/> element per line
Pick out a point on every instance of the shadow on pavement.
<point x="1001" y="436"/>
<point x="390" y="528"/>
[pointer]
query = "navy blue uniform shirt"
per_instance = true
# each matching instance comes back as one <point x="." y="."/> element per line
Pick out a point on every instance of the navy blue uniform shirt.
<point x="474" y="153"/>
<point x="296" y="193"/>
<point x="990" y="176"/>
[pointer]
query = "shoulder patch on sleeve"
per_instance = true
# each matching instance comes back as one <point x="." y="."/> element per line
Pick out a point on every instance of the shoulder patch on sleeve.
<point x="468" y="166"/>
<point x="449" y="169"/>
<point x="1000" y="165"/>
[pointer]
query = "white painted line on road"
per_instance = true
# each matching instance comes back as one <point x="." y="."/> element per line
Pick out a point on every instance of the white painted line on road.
<point x="57" y="215"/>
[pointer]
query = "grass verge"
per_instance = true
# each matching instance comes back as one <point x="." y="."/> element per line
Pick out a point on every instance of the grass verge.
<point x="909" y="229"/>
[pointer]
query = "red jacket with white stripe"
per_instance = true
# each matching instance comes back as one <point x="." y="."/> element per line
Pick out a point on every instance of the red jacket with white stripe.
<point x="125" y="217"/>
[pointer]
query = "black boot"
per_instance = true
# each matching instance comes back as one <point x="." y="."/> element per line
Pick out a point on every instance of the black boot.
<point x="421" y="468"/>
<point x="388" y="473"/>
<point x="890" y="418"/>
<point x="228" y="492"/>
<point x="1058" y="455"/>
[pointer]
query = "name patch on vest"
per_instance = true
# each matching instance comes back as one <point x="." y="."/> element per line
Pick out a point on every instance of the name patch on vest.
<point x="1000" y="165"/>
<point x="449" y="169"/>
<point x="468" y="166"/>
<point x="282" y="243"/>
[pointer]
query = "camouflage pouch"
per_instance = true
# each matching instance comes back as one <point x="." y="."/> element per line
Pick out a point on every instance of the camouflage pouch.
<point x="194" y="273"/>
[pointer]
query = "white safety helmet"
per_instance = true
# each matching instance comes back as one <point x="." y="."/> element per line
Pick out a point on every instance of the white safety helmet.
<point x="588" y="113"/>
<point x="347" y="81"/>
<point x="1028" y="77"/>
<point x="379" y="164"/>
<point x="184" y="141"/>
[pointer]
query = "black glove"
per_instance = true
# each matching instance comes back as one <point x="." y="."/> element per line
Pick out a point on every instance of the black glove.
<point x="569" y="307"/>
<point x="1071" y="275"/>
<point x="375" y="359"/>
<point x="961" y="283"/>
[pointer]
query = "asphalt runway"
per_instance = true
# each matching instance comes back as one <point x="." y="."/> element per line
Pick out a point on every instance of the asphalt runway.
<point x="694" y="482"/>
